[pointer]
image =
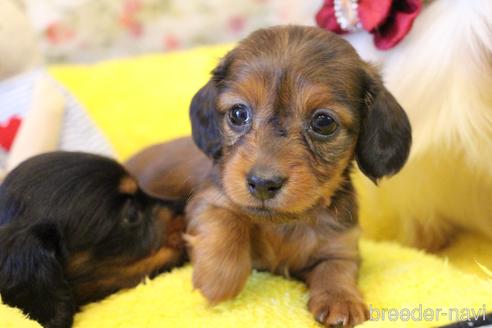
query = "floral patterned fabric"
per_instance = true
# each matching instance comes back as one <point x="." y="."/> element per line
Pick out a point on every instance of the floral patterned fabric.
<point x="91" y="30"/>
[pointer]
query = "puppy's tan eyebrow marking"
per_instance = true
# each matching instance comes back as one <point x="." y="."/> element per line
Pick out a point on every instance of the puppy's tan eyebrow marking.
<point x="227" y="99"/>
<point x="128" y="185"/>
<point x="77" y="261"/>
<point x="313" y="97"/>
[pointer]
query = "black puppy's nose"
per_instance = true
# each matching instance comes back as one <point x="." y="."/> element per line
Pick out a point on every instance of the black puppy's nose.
<point x="264" y="188"/>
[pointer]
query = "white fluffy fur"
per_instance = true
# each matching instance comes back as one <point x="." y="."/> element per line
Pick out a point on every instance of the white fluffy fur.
<point x="442" y="75"/>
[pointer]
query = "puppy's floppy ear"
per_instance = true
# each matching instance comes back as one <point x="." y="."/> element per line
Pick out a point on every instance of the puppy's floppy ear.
<point x="205" y="124"/>
<point x="31" y="273"/>
<point x="176" y="205"/>
<point x="385" y="136"/>
<point x="205" y="127"/>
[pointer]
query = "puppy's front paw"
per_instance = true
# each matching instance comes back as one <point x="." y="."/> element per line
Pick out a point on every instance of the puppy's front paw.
<point x="338" y="310"/>
<point x="221" y="283"/>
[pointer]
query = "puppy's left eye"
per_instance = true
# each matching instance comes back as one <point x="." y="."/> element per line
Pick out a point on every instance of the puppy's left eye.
<point x="239" y="115"/>
<point x="131" y="214"/>
<point x="323" y="123"/>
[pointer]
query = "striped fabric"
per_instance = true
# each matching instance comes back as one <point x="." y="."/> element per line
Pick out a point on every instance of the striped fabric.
<point x="78" y="132"/>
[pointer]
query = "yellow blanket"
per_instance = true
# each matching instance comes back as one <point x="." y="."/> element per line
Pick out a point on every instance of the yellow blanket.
<point x="141" y="101"/>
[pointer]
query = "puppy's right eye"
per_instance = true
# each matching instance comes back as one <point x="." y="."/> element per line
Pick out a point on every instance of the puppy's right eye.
<point x="133" y="218"/>
<point x="239" y="115"/>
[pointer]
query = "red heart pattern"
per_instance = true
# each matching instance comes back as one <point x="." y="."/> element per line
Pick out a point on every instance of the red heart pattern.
<point x="8" y="131"/>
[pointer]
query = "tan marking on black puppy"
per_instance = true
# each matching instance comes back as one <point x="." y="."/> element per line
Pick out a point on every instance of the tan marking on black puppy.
<point x="128" y="185"/>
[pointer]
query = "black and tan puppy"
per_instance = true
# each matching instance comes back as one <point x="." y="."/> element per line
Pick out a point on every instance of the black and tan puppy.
<point x="284" y="117"/>
<point x="76" y="227"/>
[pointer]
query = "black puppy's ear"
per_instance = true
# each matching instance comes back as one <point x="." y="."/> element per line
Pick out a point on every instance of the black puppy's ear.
<point x="205" y="125"/>
<point x="385" y="136"/>
<point x="31" y="274"/>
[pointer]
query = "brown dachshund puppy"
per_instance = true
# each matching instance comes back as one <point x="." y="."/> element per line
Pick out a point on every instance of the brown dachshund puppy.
<point x="283" y="117"/>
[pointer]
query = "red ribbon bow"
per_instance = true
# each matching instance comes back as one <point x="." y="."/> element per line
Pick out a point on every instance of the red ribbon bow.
<point x="388" y="20"/>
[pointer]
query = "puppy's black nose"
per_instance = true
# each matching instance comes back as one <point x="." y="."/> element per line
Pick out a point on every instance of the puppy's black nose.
<point x="264" y="188"/>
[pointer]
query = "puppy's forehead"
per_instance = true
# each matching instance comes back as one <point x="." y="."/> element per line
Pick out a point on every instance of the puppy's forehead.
<point x="294" y="73"/>
<point x="299" y="60"/>
<point x="295" y="47"/>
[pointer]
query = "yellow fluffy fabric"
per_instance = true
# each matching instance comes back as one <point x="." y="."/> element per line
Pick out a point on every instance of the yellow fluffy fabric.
<point x="140" y="101"/>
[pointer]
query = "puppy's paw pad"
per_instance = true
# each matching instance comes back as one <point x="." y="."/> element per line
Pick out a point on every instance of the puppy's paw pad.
<point x="336" y="313"/>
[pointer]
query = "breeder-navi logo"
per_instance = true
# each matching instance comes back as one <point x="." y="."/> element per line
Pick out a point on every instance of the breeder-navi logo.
<point x="427" y="314"/>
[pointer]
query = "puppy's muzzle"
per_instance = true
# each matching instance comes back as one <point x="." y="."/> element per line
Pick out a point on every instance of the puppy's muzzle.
<point x="264" y="187"/>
